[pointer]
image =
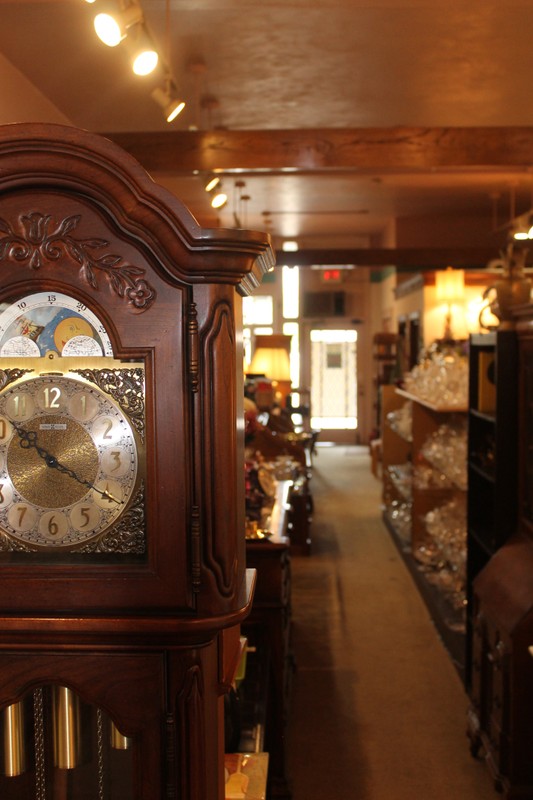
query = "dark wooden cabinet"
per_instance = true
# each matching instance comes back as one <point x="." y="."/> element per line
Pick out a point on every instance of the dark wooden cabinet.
<point x="492" y="456"/>
<point x="500" y="720"/>
<point x="501" y="715"/>
<point x="130" y="623"/>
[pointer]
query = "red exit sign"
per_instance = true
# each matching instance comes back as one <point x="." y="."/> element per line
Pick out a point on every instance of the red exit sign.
<point x="331" y="275"/>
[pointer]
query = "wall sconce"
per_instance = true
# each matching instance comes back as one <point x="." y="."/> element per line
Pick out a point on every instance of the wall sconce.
<point x="450" y="289"/>
<point x="111" y="29"/>
<point x="271" y="358"/>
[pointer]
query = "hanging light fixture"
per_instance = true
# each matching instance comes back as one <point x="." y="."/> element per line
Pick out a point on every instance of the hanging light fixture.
<point x="111" y="29"/>
<point x="167" y="97"/>
<point x="169" y="101"/>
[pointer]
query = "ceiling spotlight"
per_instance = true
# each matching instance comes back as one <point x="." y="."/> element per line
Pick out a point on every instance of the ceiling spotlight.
<point x="220" y="199"/>
<point x="145" y="58"/>
<point x="145" y="62"/>
<point x="213" y="181"/>
<point x="111" y="29"/>
<point x="169" y="102"/>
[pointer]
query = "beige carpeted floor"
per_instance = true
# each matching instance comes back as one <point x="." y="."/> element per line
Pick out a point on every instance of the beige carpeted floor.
<point x="378" y="711"/>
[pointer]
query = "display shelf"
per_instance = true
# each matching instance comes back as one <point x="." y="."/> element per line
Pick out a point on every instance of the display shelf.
<point x="400" y="479"/>
<point x="426" y="490"/>
<point x="448" y="621"/>
<point x="447" y="409"/>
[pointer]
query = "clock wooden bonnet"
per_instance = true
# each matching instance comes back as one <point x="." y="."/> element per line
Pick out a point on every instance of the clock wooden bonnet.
<point x="120" y="473"/>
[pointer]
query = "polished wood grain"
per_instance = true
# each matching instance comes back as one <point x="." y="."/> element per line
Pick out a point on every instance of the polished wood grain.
<point x="361" y="149"/>
<point x="141" y="637"/>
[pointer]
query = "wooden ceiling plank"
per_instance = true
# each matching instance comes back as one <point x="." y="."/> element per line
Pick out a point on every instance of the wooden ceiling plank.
<point x="365" y="149"/>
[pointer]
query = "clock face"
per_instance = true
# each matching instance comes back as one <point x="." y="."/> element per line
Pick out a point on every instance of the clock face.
<point x="51" y="322"/>
<point x="68" y="462"/>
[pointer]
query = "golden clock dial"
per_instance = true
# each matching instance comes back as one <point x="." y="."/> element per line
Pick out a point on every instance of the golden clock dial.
<point x="68" y="462"/>
<point x="45" y="486"/>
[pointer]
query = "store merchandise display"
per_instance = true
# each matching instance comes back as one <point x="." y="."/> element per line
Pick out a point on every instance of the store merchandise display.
<point x="400" y="420"/>
<point x="443" y="555"/>
<point x="440" y="377"/>
<point x="446" y="449"/>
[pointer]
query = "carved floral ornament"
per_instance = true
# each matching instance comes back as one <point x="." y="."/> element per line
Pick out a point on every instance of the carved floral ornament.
<point x="39" y="241"/>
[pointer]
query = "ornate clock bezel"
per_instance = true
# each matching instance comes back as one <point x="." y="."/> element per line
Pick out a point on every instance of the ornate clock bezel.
<point x="118" y="391"/>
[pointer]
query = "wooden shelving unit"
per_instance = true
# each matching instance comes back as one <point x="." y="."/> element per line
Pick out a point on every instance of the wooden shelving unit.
<point x="418" y="499"/>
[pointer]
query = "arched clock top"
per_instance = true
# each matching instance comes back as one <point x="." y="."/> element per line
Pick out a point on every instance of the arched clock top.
<point x="73" y="162"/>
<point x="36" y="238"/>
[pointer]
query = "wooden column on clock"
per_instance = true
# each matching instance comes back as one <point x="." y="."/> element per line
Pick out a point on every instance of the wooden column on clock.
<point x="122" y="552"/>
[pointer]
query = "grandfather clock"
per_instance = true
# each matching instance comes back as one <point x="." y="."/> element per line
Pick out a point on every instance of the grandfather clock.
<point x="122" y="560"/>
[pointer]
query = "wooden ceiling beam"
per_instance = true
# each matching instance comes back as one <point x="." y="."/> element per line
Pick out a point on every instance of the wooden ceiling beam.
<point x="405" y="259"/>
<point x="360" y="149"/>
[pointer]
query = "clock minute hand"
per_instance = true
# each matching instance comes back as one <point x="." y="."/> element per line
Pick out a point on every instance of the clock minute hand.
<point x="28" y="439"/>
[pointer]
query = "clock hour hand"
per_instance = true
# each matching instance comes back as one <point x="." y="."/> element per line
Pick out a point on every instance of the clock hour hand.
<point x="28" y="439"/>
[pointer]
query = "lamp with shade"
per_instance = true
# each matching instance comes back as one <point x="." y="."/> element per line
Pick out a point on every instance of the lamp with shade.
<point x="271" y="358"/>
<point x="450" y="289"/>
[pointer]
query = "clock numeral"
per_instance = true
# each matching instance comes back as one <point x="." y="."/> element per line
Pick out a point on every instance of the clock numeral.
<point x="20" y="406"/>
<point x="19" y="401"/>
<point x="6" y="494"/>
<point x="22" y="517"/>
<point x="53" y="525"/>
<point x="83" y="406"/>
<point x="51" y="397"/>
<point x="84" y="511"/>
<point x="109" y="494"/>
<point x="5" y="429"/>
<point x="52" y="298"/>
<point x="115" y="456"/>
<point x="85" y="517"/>
<point x="107" y="429"/>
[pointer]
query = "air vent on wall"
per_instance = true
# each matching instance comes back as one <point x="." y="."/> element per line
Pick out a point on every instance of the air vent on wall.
<point x="323" y="304"/>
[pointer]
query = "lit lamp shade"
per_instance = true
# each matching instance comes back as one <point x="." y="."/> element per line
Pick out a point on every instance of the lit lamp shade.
<point x="450" y="288"/>
<point x="450" y="285"/>
<point x="271" y="358"/>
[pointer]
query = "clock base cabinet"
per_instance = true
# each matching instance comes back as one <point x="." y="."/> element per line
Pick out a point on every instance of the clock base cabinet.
<point x="500" y="719"/>
<point x="129" y="723"/>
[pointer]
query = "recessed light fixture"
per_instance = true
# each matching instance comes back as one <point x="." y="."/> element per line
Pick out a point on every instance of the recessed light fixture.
<point x="289" y="246"/>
